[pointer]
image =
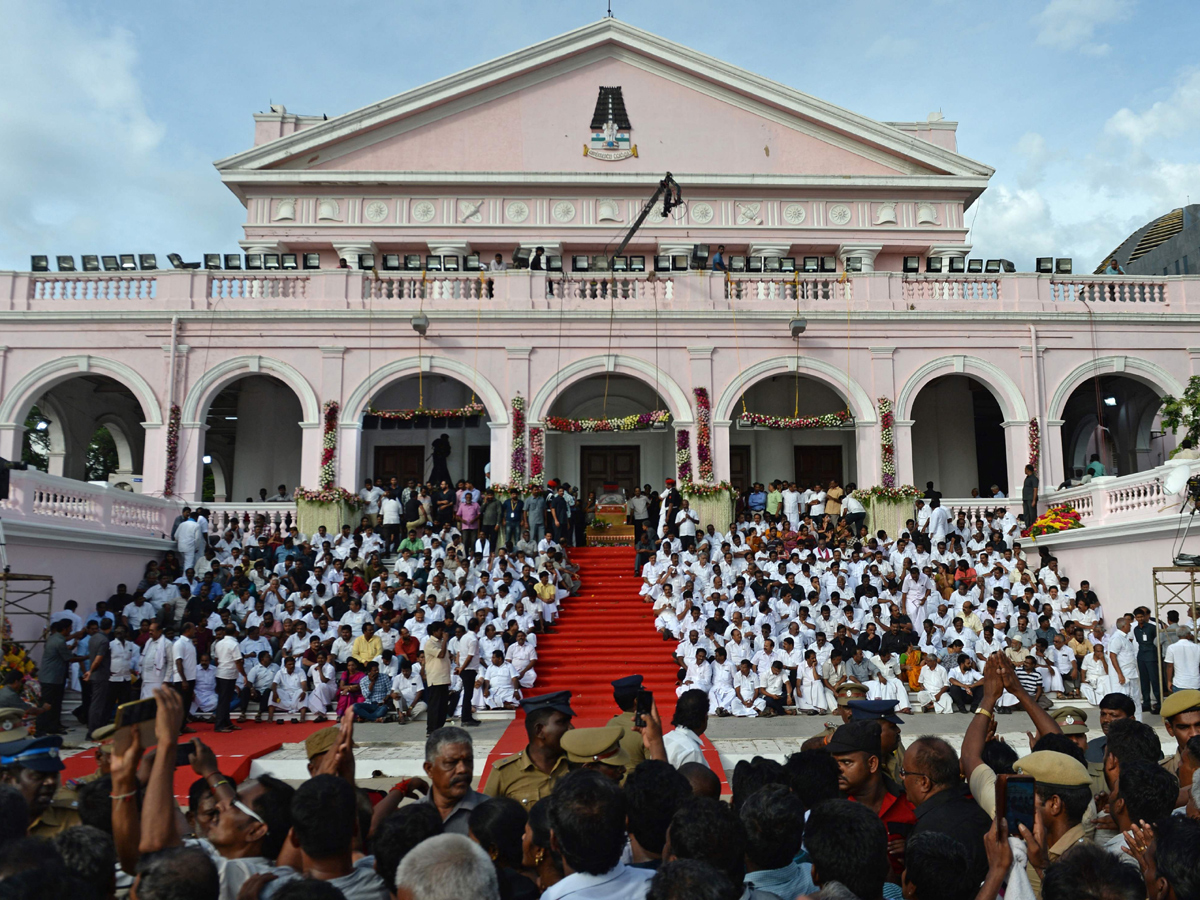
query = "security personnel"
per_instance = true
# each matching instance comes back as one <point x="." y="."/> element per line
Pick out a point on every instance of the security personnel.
<point x="597" y="748"/>
<point x="625" y="691"/>
<point x="32" y="766"/>
<point x="884" y="711"/>
<point x="530" y="775"/>
<point x="846" y="691"/>
<point x="1181" y="716"/>
<point x="1072" y="721"/>
<point x="1145" y="634"/>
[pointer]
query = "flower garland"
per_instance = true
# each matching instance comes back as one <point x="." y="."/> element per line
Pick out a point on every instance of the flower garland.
<point x="1035" y="444"/>
<point x="518" y="441"/>
<point x="1057" y="518"/>
<point x="683" y="455"/>
<point x="829" y="420"/>
<point x="329" y="494"/>
<point x="172" y="450"/>
<point x="703" y="434"/>
<point x="328" y="474"/>
<point x="696" y="489"/>
<point x="537" y="457"/>
<point x="887" y="441"/>
<point x="887" y="493"/>
<point x="405" y="415"/>
<point x="637" y="422"/>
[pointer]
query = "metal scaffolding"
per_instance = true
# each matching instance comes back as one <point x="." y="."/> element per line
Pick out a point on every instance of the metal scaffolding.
<point x="22" y="596"/>
<point x="1174" y="587"/>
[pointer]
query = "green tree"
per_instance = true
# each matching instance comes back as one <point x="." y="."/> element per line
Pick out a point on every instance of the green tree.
<point x="1184" y="412"/>
<point x="102" y="459"/>
<point x="35" y="445"/>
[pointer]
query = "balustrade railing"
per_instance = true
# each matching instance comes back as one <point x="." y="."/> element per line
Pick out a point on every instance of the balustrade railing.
<point x="107" y="286"/>
<point x="779" y="287"/>
<point x="37" y="497"/>
<point x="250" y="285"/>
<point x="1116" y="290"/>
<point x="273" y="516"/>
<point x="949" y="287"/>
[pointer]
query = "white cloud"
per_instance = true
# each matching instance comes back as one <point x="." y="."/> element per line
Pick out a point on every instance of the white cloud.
<point x="84" y="166"/>
<point x="1072" y="24"/>
<point x="1177" y="115"/>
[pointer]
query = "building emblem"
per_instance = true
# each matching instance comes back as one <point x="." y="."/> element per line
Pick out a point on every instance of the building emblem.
<point x="610" y="139"/>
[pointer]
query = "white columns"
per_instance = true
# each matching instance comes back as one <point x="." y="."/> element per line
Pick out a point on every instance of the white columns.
<point x="902" y="442"/>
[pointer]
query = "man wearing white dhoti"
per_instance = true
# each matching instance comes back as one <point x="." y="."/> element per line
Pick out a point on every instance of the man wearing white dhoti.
<point x="523" y="655"/>
<point x="935" y="688"/>
<point x="501" y="689"/>
<point x="287" y="692"/>
<point x="916" y="588"/>
<point x="1123" y="669"/>
<point x="157" y="661"/>
<point x="887" y="685"/>
<point x="204" y="698"/>
<point x="747" y="702"/>
<point x="324" y="690"/>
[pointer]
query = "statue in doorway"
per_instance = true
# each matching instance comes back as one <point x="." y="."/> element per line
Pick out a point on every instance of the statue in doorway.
<point x="441" y="453"/>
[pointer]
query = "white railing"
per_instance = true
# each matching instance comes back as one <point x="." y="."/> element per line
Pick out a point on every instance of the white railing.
<point x="950" y="287"/>
<point x="249" y="285"/>
<point x="276" y="516"/>
<point x="1098" y="289"/>
<point x="618" y="286"/>
<point x="974" y="507"/>
<point x="48" y="499"/>
<point x="794" y="287"/>
<point x="1110" y="500"/>
<point x="436" y="286"/>
<point x="109" y="286"/>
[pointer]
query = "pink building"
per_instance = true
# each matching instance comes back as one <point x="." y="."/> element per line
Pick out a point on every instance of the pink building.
<point x="370" y="222"/>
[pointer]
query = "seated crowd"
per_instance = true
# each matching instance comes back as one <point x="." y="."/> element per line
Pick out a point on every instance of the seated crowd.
<point x="798" y="602"/>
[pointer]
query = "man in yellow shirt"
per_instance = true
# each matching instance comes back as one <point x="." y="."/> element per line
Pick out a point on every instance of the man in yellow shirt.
<point x="367" y="646"/>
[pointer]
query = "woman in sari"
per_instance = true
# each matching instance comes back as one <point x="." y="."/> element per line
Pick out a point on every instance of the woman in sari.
<point x="349" y="692"/>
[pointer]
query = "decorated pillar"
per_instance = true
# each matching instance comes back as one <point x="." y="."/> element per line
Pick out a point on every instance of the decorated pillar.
<point x="1016" y="448"/>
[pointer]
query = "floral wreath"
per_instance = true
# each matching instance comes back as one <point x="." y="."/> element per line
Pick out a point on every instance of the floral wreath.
<point x="888" y="493"/>
<point x="1035" y="444"/>
<point x="329" y="440"/>
<point x="703" y="434"/>
<point x="887" y="442"/>
<point x="405" y="415"/>
<point x="172" y="450"/>
<point x="518" y="442"/>
<point x="636" y="422"/>
<point x="329" y="494"/>
<point x="829" y="420"/>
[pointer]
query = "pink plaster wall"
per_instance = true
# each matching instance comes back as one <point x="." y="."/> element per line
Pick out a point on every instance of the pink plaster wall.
<point x="544" y="127"/>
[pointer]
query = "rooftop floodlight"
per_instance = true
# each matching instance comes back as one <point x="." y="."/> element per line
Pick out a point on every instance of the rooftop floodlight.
<point x="771" y="264"/>
<point x="958" y="264"/>
<point x="620" y="263"/>
<point x="700" y="255"/>
<point x="754" y="264"/>
<point x="254" y="261"/>
<point x="65" y="263"/>
<point x="312" y="260"/>
<point x="391" y="262"/>
<point x="599" y="263"/>
<point x="1062" y="266"/>
<point x="828" y="263"/>
<point x="1007" y="265"/>
<point x="854" y="263"/>
<point x="737" y="264"/>
<point x="1044" y="265"/>
<point x="637" y="264"/>
<point x="812" y="264"/>
<point x="974" y="266"/>
<point x="233" y="260"/>
<point x="110" y="264"/>
<point x="91" y="263"/>
<point x="581" y="263"/>
<point x="471" y="263"/>
<point x="39" y="263"/>
<point x="449" y="263"/>
<point x="366" y="260"/>
<point x="412" y="262"/>
<point x="797" y="326"/>
<point x="787" y="264"/>
<point x="679" y="262"/>
<point x="270" y="260"/>
<point x="211" y="261"/>
<point x="520" y="258"/>
<point x="433" y="263"/>
<point x="177" y="262"/>
<point x="662" y="263"/>
<point x="127" y="261"/>
<point x="289" y="261"/>
<point x="147" y="262"/>
<point x="933" y="264"/>
<point x="420" y="323"/>
<point x="992" y="267"/>
<point x="553" y="263"/>
<point x="912" y="265"/>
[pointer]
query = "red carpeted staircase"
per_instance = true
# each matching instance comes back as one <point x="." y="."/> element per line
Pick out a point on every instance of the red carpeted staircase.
<point x="605" y="631"/>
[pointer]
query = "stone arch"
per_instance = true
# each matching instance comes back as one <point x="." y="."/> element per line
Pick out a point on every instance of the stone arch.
<point x="991" y="376"/>
<point x="15" y="406"/>
<point x="1150" y="374"/>
<point x="214" y="380"/>
<point x="116" y="428"/>
<point x="493" y="402"/>
<point x="857" y="399"/>
<point x="678" y="402"/>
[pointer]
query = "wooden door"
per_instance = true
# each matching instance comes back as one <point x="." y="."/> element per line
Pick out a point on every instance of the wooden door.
<point x="477" y="458"/>
<point x="739" y="468"/>
<point x="402" y="462"/>
<point x="599" y="466"/>
<point x="818" y="464"/>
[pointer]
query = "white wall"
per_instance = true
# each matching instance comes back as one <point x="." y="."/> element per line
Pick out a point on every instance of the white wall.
<point x="943" y="438"/>
<point x="267" y="445"/>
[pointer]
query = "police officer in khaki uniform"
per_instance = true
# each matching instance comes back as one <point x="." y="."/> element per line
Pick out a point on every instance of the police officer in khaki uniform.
<point x="32" y="766"/>
<point x="530" y="775"/>
<point x="883" y="711"/>
<point x="597" y="748"/>
<point x="847" y="691"/>
<point x="625" y="691"/>
<point x="1181" y="715"/>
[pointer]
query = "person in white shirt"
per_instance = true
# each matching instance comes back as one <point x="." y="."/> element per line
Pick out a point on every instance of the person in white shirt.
<point x="687" y="520"/>
<point x="523" y="655"/>
<point x="371" y="495"/>
<point x="1123" y="669"/>
<point x="206" y="688"/>
<point x="500" y="688"/>
<point x="887" y="685"/>
<point x="1096" y="682"/>
<point x="324" y="686"/>
<point x="228" y="657"/>
<point x="189" y="541"/>
<point x="467" y="668"/>
<point x="747" y="702"/>
<point x="157" y="661"/>
<point x="682" y="743"/>
<point x="183" y="674"/>
<point x="1183" y="662"/>
<point x="408" y="692"/>
<point x="288" y="692"/>
<point x="935" y="688"/>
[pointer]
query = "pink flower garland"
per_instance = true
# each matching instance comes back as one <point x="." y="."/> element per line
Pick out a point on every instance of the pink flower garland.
<point x="537" y="457"/>
<point x="1035" y="444"/>
<point x="683" y="455"/>
<point x="518" y="442"/>
<point x="887" y="440"/>
<point x="704" y="434"/>
<point x="172" y="450"/>
<point x="328" y="474"/>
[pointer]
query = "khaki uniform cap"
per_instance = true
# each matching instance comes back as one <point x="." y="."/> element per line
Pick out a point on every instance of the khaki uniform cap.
<point x="1178" y="702"/>
<point x="1051" y="767"/>
<point x="1071" y="720"/>
<point x="591" y="745"/>
<point x="11" y="727"/>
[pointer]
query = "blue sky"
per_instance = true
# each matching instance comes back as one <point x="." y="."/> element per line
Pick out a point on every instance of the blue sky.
<point x="111" y="113"/>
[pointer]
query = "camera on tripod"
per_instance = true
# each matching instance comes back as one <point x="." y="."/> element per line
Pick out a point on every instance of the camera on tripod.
<point x="6" y="466"/>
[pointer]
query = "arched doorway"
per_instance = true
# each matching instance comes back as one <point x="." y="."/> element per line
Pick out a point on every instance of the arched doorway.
<point x="806" y="456"/>
<point x="1114" y="417"/>
<point x="958" y="438"/>
<point x="253" y="435"/>
<point x="591" y="459"/>
<point x="398" y="445"/>
<point x="88" y="427"/>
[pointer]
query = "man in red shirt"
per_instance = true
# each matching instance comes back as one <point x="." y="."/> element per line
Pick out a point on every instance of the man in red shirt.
<point x="857" y="749"/>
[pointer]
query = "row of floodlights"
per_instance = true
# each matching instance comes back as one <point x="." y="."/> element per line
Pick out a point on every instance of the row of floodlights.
<point x="1046" y="265"/>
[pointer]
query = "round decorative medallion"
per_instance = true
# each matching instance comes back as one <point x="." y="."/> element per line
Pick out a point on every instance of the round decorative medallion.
<point x="517" y="211"/>
<point x="840" y="214"/>
<point x="656" y="214"/>
<point x="702" y="213"/>
<point x="564" y="211"/>
<point x="423" y="211"/>
<point x="375" y="211"/>
<point x="794" y="213"/>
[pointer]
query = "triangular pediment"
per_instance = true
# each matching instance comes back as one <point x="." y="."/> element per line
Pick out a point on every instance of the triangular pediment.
<point x="534" y="111"/>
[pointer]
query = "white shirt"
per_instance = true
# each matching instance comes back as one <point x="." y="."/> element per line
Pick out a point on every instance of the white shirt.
<point x="227" y="654"/>
<point x="620" y="883"/>
<point x="185" y="652"/>
<point x="933" y="680"/>
<point x="686" y="519"/>
<point x="1185" y="657"/>
<point x="1125" y="648"/>
<point x="683" y="746"/>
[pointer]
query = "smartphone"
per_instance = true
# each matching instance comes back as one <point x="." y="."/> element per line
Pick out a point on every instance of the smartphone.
<point x="139" y="714"/>
<point x="641" y="707"/>
<point x="1015" y="801"/>
<point x="183" y="755"/>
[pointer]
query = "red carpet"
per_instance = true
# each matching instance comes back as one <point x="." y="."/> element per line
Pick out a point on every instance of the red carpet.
<point x="604" y="632"/>
<point x="235" y="750"/>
